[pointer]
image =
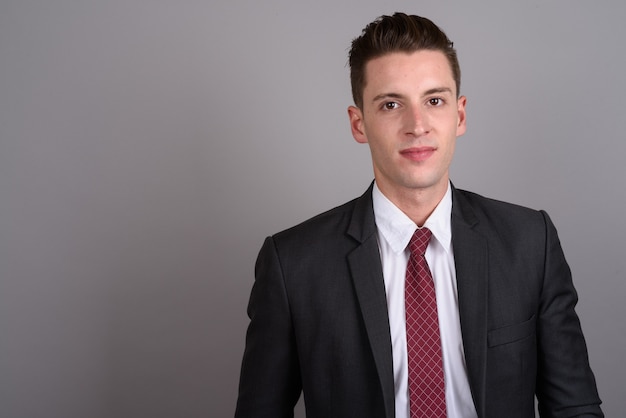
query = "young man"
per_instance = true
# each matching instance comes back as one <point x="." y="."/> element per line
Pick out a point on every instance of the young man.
<point x="347" y="309"/>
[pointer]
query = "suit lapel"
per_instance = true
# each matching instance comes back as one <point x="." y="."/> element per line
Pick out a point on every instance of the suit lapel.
<point x="471" y="260"/>
<point x="367" y="276"/>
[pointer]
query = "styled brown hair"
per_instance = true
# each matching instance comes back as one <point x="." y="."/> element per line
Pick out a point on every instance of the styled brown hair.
<point x="397" y="33"/>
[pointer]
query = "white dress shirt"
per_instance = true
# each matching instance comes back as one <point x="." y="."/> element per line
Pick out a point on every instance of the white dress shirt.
<point x="394" y="232"/>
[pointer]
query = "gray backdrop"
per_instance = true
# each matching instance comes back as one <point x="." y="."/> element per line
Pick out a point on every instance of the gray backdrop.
<point x="148" y="147"/>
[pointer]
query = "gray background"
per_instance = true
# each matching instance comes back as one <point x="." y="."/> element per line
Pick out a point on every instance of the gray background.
<point x="148" y="147"/>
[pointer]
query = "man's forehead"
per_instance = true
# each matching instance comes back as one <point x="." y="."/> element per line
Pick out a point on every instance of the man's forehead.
<point x="423" y="70"/>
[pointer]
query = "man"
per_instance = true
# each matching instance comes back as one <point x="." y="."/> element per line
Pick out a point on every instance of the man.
<point x="340" y="301"/>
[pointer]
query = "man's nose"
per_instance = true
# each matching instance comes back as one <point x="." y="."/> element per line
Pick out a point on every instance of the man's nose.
<point x="416" y="121"/>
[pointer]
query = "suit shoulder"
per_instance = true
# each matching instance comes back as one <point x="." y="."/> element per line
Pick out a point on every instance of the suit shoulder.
<point x="489" y="203"/>
<point x="332" y="221"/>
<point x="498" y="212"/>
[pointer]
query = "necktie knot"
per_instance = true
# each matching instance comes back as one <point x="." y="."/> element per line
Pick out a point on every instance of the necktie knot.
<point x="419" y="241"/>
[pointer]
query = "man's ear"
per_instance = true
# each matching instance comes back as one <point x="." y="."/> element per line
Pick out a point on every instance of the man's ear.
<point x="461" y="126"/>
<point x="356" y="124"/>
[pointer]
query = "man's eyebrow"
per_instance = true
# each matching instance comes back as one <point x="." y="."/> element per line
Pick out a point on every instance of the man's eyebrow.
<point x="437" y="90"/>
<point x="387" y="96"/>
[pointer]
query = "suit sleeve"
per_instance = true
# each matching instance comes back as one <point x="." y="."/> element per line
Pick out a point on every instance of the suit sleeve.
<point x="565" y="383"/>
<point x="270" y="383"/>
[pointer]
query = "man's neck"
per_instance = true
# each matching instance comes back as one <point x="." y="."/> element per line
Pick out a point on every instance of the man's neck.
<point x="416" y="203"/>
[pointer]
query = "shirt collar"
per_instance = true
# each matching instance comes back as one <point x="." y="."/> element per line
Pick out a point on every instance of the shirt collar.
<point x="397" y="228"/>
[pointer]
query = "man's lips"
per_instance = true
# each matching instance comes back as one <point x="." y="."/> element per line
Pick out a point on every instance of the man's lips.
<point x="418" y="153"/>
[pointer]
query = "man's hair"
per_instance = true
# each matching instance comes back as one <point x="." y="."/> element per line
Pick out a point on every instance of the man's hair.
<point x="397" y="33"/>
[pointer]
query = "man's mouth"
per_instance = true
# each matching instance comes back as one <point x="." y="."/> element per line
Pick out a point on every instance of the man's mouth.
<point x="418" y="154"/>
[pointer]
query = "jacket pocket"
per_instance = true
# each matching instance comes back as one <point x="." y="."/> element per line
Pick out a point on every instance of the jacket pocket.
<point x="511" y="333"/>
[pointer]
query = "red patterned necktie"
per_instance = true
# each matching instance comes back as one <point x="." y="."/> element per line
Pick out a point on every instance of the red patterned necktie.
<point x="427" y="397"/>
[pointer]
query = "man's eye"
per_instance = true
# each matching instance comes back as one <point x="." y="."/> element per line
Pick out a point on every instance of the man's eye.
<point x="435" y="101"/>
<point x="391" y="105"/>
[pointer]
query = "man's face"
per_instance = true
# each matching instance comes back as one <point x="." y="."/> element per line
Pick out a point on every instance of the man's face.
<point x="410" y="118"/>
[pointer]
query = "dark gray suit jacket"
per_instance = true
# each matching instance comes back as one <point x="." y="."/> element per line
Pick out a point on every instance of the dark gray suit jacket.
<point x="319" y="319"/>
